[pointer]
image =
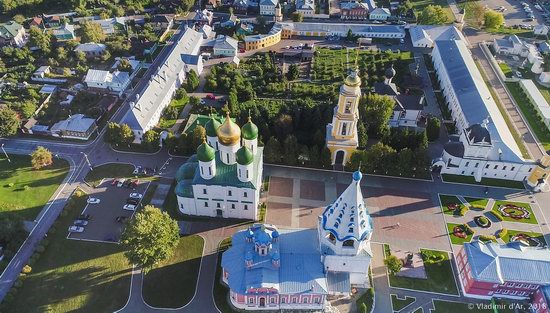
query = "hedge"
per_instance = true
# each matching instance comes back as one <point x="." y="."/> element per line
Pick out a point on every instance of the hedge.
<point x="487" y="238"/>
<point x="502" y="233"/>
<point x="497" y="215"/>
<point x="463" y="210"/>
<point x="468" y="229"/>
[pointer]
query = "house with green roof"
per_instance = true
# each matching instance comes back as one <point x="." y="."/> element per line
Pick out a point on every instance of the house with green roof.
<point x="12" y="34"/>
<point x="224" y="177"/>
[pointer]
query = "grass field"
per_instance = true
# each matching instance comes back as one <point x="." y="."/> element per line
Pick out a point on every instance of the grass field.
<point x="398" y="304"/>
<point x="111" y="170"/>
<point x="512" y="232"/>
<point x="74" y="276"/>
<point x="179" y="104"/>
<point x="25" y="191"/>
<point x="528" y="110"/>
<point x="447" y="200"/>
<point x="419" y="5"/>
<point x="531" y="220"/>
<point x="484" y="181"/>
<point x="457" y="240"/>
<point x="477" y="203"/>
<point x="506" y="69"/>
<point x="440" y="275"/>
<point x="172" y="283"/>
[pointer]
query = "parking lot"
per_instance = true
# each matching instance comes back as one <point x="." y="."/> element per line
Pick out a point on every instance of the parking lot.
<point x="514" y="13"/>
<point x="102" y="225"/>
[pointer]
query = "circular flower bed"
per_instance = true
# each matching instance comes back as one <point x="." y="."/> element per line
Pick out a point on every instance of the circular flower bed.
<point x="452" y="206"/>
<point x="482" y="221"/>
<point x="514" y="211"/>
<point x="531" y="241"/>
<point x="459" y="232"/>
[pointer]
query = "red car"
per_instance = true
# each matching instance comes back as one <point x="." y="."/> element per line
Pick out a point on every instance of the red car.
<point x="242" y="51"/>
<point x="134" y="183"/>
<point x="210" y="96"/>
<point x="114" y="182"/>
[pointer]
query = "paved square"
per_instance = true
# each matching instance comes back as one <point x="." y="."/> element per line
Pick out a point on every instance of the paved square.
<point x="103" y="225"/>
<point x="279" y="214"/>
<point x="307" y="216"/>
<point x="281" y="187"/>
<point x="312" y="190"/>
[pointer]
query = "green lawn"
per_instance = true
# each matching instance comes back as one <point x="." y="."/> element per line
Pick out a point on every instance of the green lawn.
<point x="528" y="110"/>
<point x="531" y="220"/>
<point x="440" y="275"/>
<point x="398" y="304"/>
<point x="419" y="5"/>
<point x="448" y="200"/>
<point x="506" y="69"/>
<point x="492" y="182"/>
<point x="111" y="170"/>
<point x="512" y="232"/>
<point x="367" y="298"/>
<point x="502" y="109"/>
<point x="419" y="310"/>
<point x="172" y="283"/>
<point x="25" y="191"/>
<point x="177" y="103"/>
<point x="477" y="203"/>
<point x="511" y="31"/>
<point x="221" y="292"/>
<point x="74" y="276"/>
<point x="458" y="307"/>
<point x="454" y="239"/>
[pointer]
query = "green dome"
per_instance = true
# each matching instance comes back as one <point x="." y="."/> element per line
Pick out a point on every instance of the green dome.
<point x="205" y="153"/>
<point x="211" y="127"/>
<point x="244" y="156"/>
<point x="186" y="171"/>
<point x="184" y="189"/>
<point x="192" y="158"/>
<point x="249" y="130"/>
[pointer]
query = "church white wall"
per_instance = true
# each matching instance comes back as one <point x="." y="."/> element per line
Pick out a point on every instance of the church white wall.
<point x="359" y="280"/>
<point x="227" y="153"/>
<point x="187" y="205"/>
<point x="232" y="201"/>
<point x="245" y="173"/>
<point x="207" y="169"/>
<point x="251" y="144"/>
<point x="213" y="142"/>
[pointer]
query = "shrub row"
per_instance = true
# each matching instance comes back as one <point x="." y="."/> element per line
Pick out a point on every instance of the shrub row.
<point x="502" y="233"/>
<point x="467" y="229"/>
<point x="497" y="216"/>
<point x="487" y="238"/>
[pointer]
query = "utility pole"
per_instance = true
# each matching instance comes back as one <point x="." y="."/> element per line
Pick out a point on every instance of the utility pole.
<point x="7" y="157"/>
<point x="87" y="161"/>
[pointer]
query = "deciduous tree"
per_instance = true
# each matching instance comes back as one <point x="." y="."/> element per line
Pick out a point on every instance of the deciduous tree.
<point x="297" y="17"/>
<point x="432" y="128"/>
<point x="378" y="110"/>
<point x="393" y="264"/>
<point x="192" y="81"/>
<point x="432" y="15"/>
<point x="126" y="134"/>
<point x="40" y="39"/>
<point x="150" y="237"/>
<point x="9" y="122"/>
<point x="293" y="72"/>
<point x="41" y="157"/>
<point x="493" y="19"/>
<point x="151" y="139"/>
<point x="92" y="32"/>
<point x="273" y="151"/>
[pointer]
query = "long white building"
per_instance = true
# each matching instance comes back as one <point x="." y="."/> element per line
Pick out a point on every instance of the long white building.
<point x="148" y="103"/>
<point x="484" y="146"/>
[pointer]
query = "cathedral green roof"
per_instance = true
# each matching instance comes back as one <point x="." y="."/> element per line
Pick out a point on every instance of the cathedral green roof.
<point x="211" y="127"/>
<point x="249" y="130"/>
<point x="186" y="171"/>
<point x="205" y="153"/>
<point x="244" y="156"/>
<point x="184" y="188"/>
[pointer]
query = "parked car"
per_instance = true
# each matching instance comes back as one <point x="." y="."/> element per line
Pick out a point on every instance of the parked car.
<point x="132" y="201"/>
<point x="518" y="74"/>
<point x="134" y="183"/>
<point x="120" y="183"/>
<point x="127" y="183"/>
<point x="86" y="217"/>
<point x="80" y="222"/>
<point x="114" y="181"/>
<point x="135" y="195"/>
<point x="137" y="170"/>
<point x="121" y="219"/>
<point x="210" y="96"/>
<point x="93" y="201"/>
<point x="202" y="102"/>
<point x="129" y="207"/>
<point x="76" y="229"/>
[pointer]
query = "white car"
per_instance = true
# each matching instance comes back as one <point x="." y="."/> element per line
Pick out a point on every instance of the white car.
<point x="518" y="74"/>
<point x="203" y="102"/>
<point x="80" y="222"/>
<point x="136" y="170"/>
<point x="93" y="200"/>
<point x="135" y="195"/>
<point x="76" y="229"/>
<point x="120" y="183"/>
<point x="129" y="207"/>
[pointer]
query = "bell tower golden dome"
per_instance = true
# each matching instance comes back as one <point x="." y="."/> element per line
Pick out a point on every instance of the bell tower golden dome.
<point x="229" y="133"/>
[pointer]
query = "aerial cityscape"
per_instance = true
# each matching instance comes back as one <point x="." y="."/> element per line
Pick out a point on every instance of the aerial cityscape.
<point x="224" y="156"/>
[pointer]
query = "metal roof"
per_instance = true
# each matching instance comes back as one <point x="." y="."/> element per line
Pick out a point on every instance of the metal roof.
<point x="540" y="102"/>
<point x="338" y="282"/>
<point x="76" y="123"/>
<point x="97" y="76"/>
<point x="475" y="99"/>
<point x="10" y="29"/>
<point x="226" y="42"/>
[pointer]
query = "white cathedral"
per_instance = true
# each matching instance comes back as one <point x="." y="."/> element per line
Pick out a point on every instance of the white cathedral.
<point x="224" y="178"/>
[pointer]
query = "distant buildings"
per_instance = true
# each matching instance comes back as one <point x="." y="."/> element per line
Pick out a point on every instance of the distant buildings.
<point x="12" y="34"/>
<point x="259" y="41"/>
<point x="225" y="46"/>
<point x="356" y="10"/>
<point x="341" y="134"/>
<point x="379" y="14"/>
<point x="539" y="103"/>
<point x="512" y="270"/>
<point x="541" y="30"/>
<point x="341" y="30"/>
<point x="162" y="21"/>
<point x="224" y="178"/>
<point x="64" y="33"/>
<point x="115" y="82"/>
<point x="267" y="7"/>
<point x="306" y="7"/>
<point x="91" y="49"/>
<point x="112" y="25"/>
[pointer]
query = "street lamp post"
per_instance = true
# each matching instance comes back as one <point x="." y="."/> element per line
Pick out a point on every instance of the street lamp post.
<point x="87" y="160"/>
<point x="7" y="157"/>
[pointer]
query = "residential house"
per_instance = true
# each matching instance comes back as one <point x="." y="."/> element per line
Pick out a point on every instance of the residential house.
<point x="75" y="127"/>
<point x="544" y="47"/>
<point x="541" y="30"/>
<point x="259" y="41"/>
<point x="379" y="14"/>
<point x="230" y="22"/>
<point x="533" y="94"/>
<point x="306" y="7"/>
<point x="91" y="49"/>
<point x="511" y="45"/>
<point x="12" y="34"/>
<point x="356" y="10"/>
<point x="42" y="72"/>
<point x="112" y="25"/>
<point x="240" y="6"/>
<point x="515" y="270"/>
<point x="245" y="29"/>
<point x="162" y="21"/>
<point x="407" y="111"/>
<point x="37" y="21"/>
<point x="332" y="29"/>
<point x="51" y="21"/>
<point x="225" y="46"/>
<point x="203" y="17"/>
<point x="134" y="64"/>
<point x="267" y="7"/>
<point x="65" y="32"/>
<point x="115" y="82"/>
<point x="211" y="4"/>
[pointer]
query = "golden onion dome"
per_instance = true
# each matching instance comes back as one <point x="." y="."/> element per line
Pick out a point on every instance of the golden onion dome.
<point x="229" y="133"/>
<point x="353" y="79"/>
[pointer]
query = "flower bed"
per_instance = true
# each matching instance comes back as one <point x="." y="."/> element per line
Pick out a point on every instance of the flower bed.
<point x="459" y="232"/>
<point x="531" y="241"/>
<point x="518" y="212"/>
<point x="514" y="211"/>
<point x="482" y="221"/>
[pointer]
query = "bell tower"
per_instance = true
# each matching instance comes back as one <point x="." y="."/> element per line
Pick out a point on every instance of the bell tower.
<point x="341" y="136"/>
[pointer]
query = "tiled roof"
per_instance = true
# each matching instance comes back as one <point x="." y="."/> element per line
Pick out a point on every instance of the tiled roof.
<point x="9" y="29"/>
<point x="512" y="262"/>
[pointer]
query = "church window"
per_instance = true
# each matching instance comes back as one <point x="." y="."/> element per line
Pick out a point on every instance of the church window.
<point x="348" y="243"/>
<point x="205" y="204"/>
<point x="477" y="164"/>
<point x="496" y="167"/>
<point x="245" y="194"/>
<point x="218" y="205"/>
<point x="272" y="300"/>
<point x="227" y="158"/>
<point x="504" y="168"/>
<point x="347" y="108"/>
<point x="232" y="205"/>
<point x="283" y="300"/>
<point x="513" y="168"/>
<point x="204" y="191"/>
<point x="246" y="173"/>
<point x="246" y="206"/>
<point x="209" y="171"/>
<point x="229" y="193"/>
<point x="467" y="163"/>
<point x="294" y="300"/>
<point x="530" y="170"/>
<point x="317" y="300"/>
<point x="251" y="300"/>
<point x="202" y="170"/>
<point x="344" y="128"/>
<point x="304" y="300"/>
<point x="350" y="229"/>
<point x="331" y="238"/>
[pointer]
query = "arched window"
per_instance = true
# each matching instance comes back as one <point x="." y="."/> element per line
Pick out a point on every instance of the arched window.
<point x="331" y="238"/>
<point x="348" y="243"/>
<point x="344" y="128"/>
